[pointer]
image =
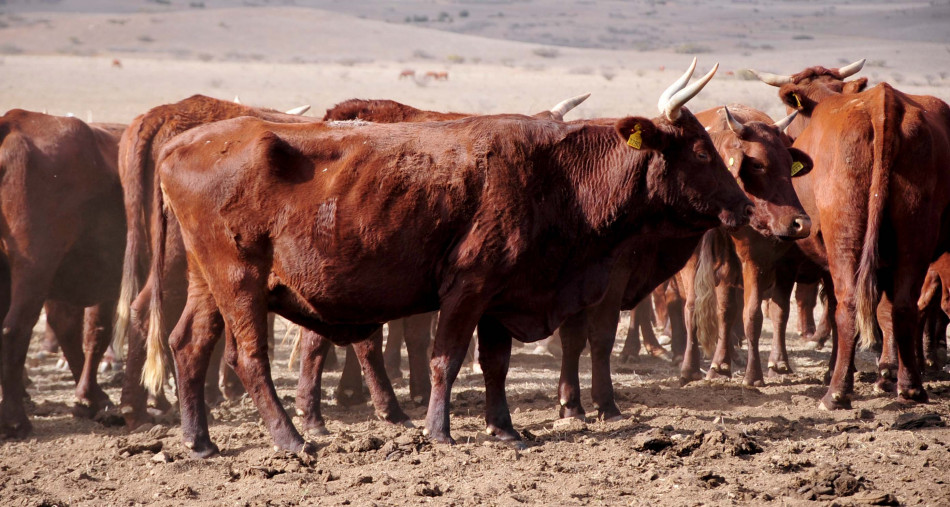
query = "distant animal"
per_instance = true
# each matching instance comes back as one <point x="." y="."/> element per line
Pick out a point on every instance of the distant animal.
<point x="116" y="63"/>
<point x="407" y="73"/>
<point x="438" y="76"/>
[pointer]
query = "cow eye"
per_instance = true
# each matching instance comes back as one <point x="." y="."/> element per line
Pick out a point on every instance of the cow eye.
<point x="757" y="167"/>
<point x="703" y="156"/>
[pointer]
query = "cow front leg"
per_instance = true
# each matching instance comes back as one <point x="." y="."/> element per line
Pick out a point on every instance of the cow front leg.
<point x="573" y="340"/>
<point x="349" y="391"/>
<point x="494" y="355"/>
<point x="97" y="334"/>
<point x="418" y="337"/>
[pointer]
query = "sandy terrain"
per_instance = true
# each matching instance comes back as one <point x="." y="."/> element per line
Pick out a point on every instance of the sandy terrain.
<point x="708" y="443"/>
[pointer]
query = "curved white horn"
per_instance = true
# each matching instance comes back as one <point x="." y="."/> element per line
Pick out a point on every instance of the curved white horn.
<point x="299" y="110"/>
<point x="772" y="79"/>
<point x="565" y="107"/>
<point x="785" y="122"/>
<point x="734" y="125"/>
<point x="851" y="69"/>
<point x="237" y="100"/>
<point x="682" y="97"/>
<point x="675" y="87"/>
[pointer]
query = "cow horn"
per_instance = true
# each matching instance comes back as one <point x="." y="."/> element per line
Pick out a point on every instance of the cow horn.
<point x="682" y="97"/>
<point x="734" y="125"/>
<point x="772" y="79"/>
<point x="851" y="69"/>
<point x="785" y="122"/>
<point x="299" y="111"/>
<point x="237" y="100"/>
<point x="565" y="107"/>
<point x="675" y="87"/>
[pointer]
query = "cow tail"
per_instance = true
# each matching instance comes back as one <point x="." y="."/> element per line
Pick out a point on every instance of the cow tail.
<point x="134" y="161"/>
<point x="295" y="350"/>
<point x="704" y="286"/>
<point x="153" y="375"/>
<point x="868" y="295"/>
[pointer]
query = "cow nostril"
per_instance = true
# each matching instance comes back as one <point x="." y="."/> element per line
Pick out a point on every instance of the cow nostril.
<point x="797" y="224"/>
<point x="749" y="209"/>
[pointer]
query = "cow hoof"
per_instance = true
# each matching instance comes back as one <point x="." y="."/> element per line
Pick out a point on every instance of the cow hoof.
<point x="572" y="413"/>
<point x="912" y="395"/>
<point x="315" y="430"/>
<point x="397" y="417"/>
<point x="835" y="402"/>
<point x="203" y="451"/>
<point x="627" y="358"/>
<point x="754" y="382"/>
<point x="888" y="373"/>
<point x="350" y="397"/>
<point x="609" y="414"/>
<point x="82" y="410"/>
<point x="884" y="386"/>
<point x="503" y="434"/>
<point x="18" y="430"/>
<point x="439" y="439"/>
<point x="659" y="353"/>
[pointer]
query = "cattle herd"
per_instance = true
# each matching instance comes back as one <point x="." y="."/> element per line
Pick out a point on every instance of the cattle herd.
<point x="201" y="218"/>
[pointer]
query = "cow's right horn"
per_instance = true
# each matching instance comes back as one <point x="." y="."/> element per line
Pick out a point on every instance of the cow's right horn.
<point x="675" y="87"/>
<point x="772" y="79"/>
<point x="785" y="122"/>
<point x="734" y="125"/>
<point x="237" y="100"/>
<point x="680" y="98"/>
<point x="565" y="107"/>
<point x="851" y="69"/>
<point x="298" y="111"/>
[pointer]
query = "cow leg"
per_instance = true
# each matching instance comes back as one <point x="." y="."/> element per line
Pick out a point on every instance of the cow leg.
<point x="369" y="352"/>
<point x="726" y="313"/>
<point x="314" y="349"/>
<point x="28" y="289"/>
<point x="842" y="378"/>
<point x="65" y="323"/>
<point x="494" y="346"/>
<point x="631" y="346"/>
<point x="418" y="337"/>
<point x="826" y="322"/>
<point x="133" y="402"/>
<point x="689" y="369"/>
<point x="97" y="335"/>
<point x="192" y="343"/>
<point x="778" y="357"/>
<point x="908" y="279"/>
<point x="573" y="341"/>
<point x="887" y="363"/>
<point x="457" y="320"/>
<point x="229" y="384"/>
<point x="213" y="395"/>
<point x="675" y="308"/>
<point x="349" y="391"/>
<point x="806" y="298"/>
<point x="644" y="317"/>
<point x="392" y="353"/>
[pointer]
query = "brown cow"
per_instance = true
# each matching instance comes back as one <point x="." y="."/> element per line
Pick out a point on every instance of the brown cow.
<point x="760" y="156"/>
<point x="506" y="223"/>
<point x="655" y="262"/>
<point x="880" y="192"/>
<point x="61" y="238"/>
<point x="934" y="305"/>
<point x="139" y="148"/>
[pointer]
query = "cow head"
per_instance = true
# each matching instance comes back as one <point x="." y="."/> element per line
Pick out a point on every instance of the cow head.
<point x="803" y="91"/>
<point x="684" y="171"/>
<point x="759" y="158"/>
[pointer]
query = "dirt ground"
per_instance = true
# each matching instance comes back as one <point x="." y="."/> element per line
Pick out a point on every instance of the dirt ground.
<point x="712" y="442"/>
<point x="708" y="443"/>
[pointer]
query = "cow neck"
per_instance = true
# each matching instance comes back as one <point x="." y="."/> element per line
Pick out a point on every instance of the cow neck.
<point x="605" y="175"/>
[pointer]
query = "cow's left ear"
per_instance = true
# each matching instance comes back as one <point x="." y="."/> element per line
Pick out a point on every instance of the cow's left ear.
<point x="639" y="133"/>
<point x="801" y="162"/>
<point x="793" y="97"/>
<point x="856" y="86"/>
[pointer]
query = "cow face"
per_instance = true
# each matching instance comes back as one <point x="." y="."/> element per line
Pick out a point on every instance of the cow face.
<point x="758" y="158"/>
<point x="685" y="173"/>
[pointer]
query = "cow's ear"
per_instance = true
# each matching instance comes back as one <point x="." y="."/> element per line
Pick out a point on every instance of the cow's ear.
<point x="801" y="162"/>
<point x="856" y="86"/>
<point x="639" y="133"/>
<point x="794" y="97"/>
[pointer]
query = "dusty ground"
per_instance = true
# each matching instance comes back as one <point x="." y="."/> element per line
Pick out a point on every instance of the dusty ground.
<point x="711" y="443"/>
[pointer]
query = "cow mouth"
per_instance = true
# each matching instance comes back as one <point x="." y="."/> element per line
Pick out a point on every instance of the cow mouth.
<point x="735" y="218"/>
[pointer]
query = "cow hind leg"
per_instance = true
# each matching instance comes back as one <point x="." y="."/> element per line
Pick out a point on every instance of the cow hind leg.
<point x="65" y="321"/>
<point x="494" y="345"/>
<point x="97" y="334"/>
<point x="573" y="341"/>
<point x="349" y="391"/>
<point x="314" y="350"/>
<point x="778" y="356"/>
<point x="392" y="354"/>
<point x="418" y="337"/>
<point x="887" y="363"/>
<point x="369" y="352"/>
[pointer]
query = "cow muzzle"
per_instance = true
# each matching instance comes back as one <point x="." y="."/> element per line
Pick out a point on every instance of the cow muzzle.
<point x="797" y="227"/>
<point x="737" y="216"/>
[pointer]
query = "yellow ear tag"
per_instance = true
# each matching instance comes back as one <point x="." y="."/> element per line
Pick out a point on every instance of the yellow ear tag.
<point x="732" y="161"/>
<point x="635" y="140"/>
<point x="798" y="102"/>
<point x="796" y="167"/>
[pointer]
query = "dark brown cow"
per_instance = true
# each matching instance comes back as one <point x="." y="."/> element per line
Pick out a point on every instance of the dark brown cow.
<point x="138" y="150"/>
<point x="651" y="264"/>
<point x="384" y="111"/>
<point x="61" y="238"/>
<point x="506" y="223"/>
<point x="760" y="156"/>
<point x="880" y="188"/>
